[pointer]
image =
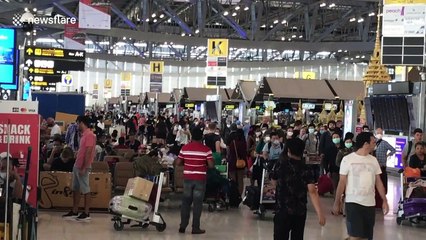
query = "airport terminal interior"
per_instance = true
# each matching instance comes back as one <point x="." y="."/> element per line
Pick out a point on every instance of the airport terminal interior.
<point x="213" y="119"/>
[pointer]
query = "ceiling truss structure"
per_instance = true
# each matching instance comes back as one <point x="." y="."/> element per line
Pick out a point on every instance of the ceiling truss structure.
<point x="259" y="30"/>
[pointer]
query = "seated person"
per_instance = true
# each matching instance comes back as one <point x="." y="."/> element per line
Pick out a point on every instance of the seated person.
<point x="133" y="143"/>
<point x="64" y="163"/>
<point x="56" y="150"/>
<point x="121" y="144"/>
<point x="15" y="183"/>
<point x="418" y="159"/>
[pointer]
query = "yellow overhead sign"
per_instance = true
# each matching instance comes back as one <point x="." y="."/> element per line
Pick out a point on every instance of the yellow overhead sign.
<point x="305" y="75"/>
<point x="156" y="67"/>
<point x="405" y="1"/>
<point x="108" y="83"/>
<point x="126" y="76"/>
<point x="217" y="47"/>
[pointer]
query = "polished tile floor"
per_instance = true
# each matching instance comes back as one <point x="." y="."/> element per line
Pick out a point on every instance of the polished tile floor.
<point x="232" y="224"/>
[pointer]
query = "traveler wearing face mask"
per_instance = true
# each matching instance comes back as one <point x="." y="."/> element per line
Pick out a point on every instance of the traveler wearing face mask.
<point x="326" y="148"/>
<point x="332" y="155"/>
<point x="273" y="149"/>
<point x="312" y="141"/>
<point x="257" y="163"/>
<point x="382" y="152"/>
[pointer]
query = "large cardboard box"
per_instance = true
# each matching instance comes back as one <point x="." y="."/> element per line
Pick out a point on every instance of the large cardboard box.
<point x="56" y="190"/>
<point x="139" y="188"/>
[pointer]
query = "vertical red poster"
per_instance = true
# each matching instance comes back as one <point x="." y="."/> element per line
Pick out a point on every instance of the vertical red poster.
<point x="20" y="124"/>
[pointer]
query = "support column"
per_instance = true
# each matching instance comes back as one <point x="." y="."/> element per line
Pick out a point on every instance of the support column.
<point x="145" y="15"/>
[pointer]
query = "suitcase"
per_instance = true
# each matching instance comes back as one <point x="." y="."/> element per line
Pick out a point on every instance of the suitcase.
<point x="413" y="206"/>
<point x="252" y="197"/>
<point x="234" y="195"/>
<point x="130" y="207"/>
<point x="325" y="185"/>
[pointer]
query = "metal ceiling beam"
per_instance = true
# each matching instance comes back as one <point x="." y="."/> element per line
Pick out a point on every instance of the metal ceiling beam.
<point x="178" y="11"/>
<point x="219" y="9"/>
<point x="179" y="54"/>
<point x="342" y="20"/>
<point x="145" y="14"/>
<point x="129" y="6"/>
<point x="123" y="17"/>
<point x="202" y="63"/>
<point x="367" y="25"/>
<point x="201" y="16"/>
<point x="289" y="17"/>
<point x="198" y="41"/>
<point x="172" y="14"/>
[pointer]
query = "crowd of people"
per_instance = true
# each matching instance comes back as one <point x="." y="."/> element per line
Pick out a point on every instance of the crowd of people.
<point x="356" y="165"/>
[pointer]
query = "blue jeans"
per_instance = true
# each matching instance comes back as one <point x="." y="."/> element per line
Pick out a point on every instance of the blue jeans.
<point x="193" y="193"/>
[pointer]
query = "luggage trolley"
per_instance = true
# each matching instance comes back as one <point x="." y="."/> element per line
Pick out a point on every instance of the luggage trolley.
<point x="409" y="208"/>
<point x="267" y="195"/>
<point x="157" y="220"/>
<point x="218" y="200"/>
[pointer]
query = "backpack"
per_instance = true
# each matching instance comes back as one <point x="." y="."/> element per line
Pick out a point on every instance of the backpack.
<point x="410" y="146"/>
<point x="270" y="145"/>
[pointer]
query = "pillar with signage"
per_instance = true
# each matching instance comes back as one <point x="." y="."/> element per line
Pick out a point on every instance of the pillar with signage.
<point x="126" y="83"/>
<point x="156" y="69"/>
<point x="217" y="67"/>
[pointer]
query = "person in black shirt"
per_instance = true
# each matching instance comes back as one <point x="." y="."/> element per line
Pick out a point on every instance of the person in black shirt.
<point x="133" y="143"/>
<point x="212" y="140"/>
<point x="418" y="160"/>
<point x="65" y="162"/>
<point x="293" y="181"/>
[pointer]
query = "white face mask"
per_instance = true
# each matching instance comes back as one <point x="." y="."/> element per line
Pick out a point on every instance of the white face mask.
<point x="276" y="142"/>
<point x="258" y="134"/>
<point x="267" y="139"/>
<point x="263" y="131"/>
<point x="311" y="130"/>
<point x="217" y="133"/>
<point x="289" y="134"/>
<point x="379" y="136"/>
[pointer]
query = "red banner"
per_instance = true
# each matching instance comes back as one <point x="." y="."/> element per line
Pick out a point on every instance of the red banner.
<point x="24" y="132"/>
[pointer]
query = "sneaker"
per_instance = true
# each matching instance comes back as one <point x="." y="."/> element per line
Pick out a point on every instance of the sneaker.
<point x="70" y="215"/>
<point x="198" y="231"/>
<point x="84" y="217"/>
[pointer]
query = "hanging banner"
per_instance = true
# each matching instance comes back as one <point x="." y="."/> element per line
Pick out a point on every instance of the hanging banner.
<point x="23" y="122"/>
<point x="94" y="14"/>
<point x="156" y="78"/>
<point x="74" y="38"/>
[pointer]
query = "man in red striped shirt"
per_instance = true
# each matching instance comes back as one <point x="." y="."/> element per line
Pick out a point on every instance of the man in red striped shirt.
<point x="195" y="157"/>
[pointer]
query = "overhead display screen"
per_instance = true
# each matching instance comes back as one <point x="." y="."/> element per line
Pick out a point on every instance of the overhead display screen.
<point x="7" y="59"/>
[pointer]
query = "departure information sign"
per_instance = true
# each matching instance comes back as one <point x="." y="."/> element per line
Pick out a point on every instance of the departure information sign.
<point x="46" y="65"/>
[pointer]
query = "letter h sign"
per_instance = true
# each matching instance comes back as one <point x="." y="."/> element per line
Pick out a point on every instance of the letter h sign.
<point x="156" y="67"/>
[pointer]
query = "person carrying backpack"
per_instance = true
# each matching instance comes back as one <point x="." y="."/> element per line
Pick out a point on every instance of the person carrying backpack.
<point x="273" y="149"/>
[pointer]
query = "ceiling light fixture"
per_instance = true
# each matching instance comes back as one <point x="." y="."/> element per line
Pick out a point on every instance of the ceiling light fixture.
<point x="332" y="5"/>
<point x="340" y="50"/>
<point x="155" y="20"/>
<point x="323" y="4"/>
<point x="263" y="26"/>
<point x="153" y="15"/>
<point x="301" y="36"/>
<point x="226" y="13"/>
<point x="352" y="19"/>
<point x="162" y="15"/>
<point x="361" y="20"/>
<point x="183" y="34"/>
<point x="284" y="21"/>
<point x="276" y="21"/>
<point x="237" y="8"/>
<point x="282" y="38"/>
<point x="294" y="36"/>
<point x="246" y="8"/>
<point x="234" y="14"/>
<point x="372" y="14"/>
<point x="197" y="31"/>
